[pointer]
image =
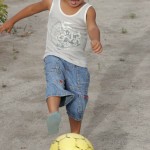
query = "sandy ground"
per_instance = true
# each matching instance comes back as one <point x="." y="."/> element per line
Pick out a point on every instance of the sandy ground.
<point x="117" y="116"/>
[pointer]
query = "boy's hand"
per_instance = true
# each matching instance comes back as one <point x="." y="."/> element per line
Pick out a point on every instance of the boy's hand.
<point x="96" y="46"/>
<point x="7" y="26"/>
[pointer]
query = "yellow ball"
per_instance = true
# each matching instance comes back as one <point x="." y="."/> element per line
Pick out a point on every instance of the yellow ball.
<point x="71" y="141"/>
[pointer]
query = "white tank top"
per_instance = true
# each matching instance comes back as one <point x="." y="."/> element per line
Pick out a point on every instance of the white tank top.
<point x="67" y="34"/>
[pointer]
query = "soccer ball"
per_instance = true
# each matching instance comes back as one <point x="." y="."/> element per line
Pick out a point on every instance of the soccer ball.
<point x="71" y="141"/>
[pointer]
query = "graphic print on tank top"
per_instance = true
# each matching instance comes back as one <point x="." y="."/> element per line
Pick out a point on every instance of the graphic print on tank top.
<point x="64" y="36"/>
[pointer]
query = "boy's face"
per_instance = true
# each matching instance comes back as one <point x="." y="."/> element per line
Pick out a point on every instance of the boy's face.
<point x="75" y="3"/>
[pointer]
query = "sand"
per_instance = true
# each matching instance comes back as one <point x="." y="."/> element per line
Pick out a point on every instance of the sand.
<point x="117" y="116"/>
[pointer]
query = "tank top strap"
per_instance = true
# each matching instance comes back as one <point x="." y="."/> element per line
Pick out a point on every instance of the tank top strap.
<point x="54" y="5"/>
<point x="83" y="11"/>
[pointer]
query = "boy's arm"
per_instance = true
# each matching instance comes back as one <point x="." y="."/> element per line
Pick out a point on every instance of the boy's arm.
<point x="26" y="12"/>
<point x="93" y="31"/>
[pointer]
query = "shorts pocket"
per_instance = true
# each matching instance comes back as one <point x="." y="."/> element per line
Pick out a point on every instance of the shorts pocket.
<point x="52" y="65"/>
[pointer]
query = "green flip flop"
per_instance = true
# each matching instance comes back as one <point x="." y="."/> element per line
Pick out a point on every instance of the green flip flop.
<point x="53" y="122"/>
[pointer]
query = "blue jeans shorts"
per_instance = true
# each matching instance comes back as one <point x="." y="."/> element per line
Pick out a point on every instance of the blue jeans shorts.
<point x="68" y="81"/>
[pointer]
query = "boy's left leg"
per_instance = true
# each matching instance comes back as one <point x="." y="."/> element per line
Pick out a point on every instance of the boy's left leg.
<point x="77" y="82"/>
<point x="75" y="126"/>
<point x="75" y="110"/>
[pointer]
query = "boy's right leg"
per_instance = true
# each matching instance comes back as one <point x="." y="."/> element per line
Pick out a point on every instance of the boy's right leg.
<point x="53" y="103"/>
<point x="54" y="117"/>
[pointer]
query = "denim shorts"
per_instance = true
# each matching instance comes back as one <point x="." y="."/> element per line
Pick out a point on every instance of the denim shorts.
<point x="68" y="81"/>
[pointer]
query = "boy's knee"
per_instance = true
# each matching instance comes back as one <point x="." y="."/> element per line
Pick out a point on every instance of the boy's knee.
<point x="76" y="114"/>
<point x="76" y="109"/>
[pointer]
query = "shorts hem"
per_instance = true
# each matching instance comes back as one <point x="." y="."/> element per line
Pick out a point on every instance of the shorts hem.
<point x="72" y="116"/>
<point x="68" y="99"/>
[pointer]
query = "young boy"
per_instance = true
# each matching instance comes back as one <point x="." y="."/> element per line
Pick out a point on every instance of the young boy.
<point x="66" y="70"/>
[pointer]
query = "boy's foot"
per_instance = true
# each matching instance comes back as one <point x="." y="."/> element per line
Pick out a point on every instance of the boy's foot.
<point x="53" y="122"/>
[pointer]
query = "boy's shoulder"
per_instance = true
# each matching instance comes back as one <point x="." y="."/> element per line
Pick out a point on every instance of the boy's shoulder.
<point x="91" y="10"/>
